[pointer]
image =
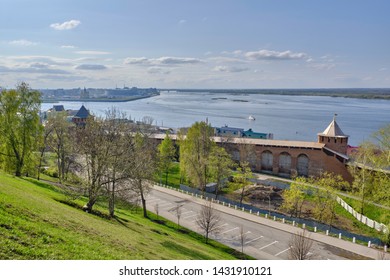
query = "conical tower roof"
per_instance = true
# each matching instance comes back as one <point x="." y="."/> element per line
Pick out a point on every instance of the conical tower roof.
<point x="82" y="113"/>
<point x="333" y="130"/>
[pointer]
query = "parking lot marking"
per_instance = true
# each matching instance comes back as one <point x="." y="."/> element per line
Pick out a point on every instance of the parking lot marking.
<point x="221" y="226"/>
<point x="268" y="245"/>
<point x="283" y="251"/>
<point x="164" y="205"/>
<point x="190" y="216"/>
<point x="257" y="238"/>
<point x="229" y="230"/>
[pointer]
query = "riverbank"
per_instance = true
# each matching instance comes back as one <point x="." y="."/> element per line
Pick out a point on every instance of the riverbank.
<point x="359" y="93"/>
<point x="125" y="99"/>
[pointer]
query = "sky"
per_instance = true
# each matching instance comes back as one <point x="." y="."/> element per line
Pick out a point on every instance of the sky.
<point x="195" y="44"/>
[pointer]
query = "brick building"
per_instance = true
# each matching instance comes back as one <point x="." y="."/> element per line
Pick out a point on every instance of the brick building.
<point x="287" y="158"/>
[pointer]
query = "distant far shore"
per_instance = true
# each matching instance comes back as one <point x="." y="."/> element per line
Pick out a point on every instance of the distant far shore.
<point x="361" y="93"/>
<point x="124" y="99"/>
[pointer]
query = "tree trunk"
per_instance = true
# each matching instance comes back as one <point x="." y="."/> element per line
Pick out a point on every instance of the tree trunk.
<point x="111" y="201"/>
<point x="143" y="199"/>
<point x="19" y="165"/>
<point x="88" y="207"/>
<point x="242" y="195"/>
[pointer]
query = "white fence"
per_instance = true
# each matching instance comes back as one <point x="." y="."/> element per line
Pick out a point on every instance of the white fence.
<point x="363" y="219"/>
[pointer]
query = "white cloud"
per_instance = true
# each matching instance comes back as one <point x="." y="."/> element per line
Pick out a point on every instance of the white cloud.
<point x="67" y="25"/>
<point x="230" y="69"/>
<point x="274" y="55"/>
<point x="90" y="67"/>
<point x="226" y="59"/>
<point x="23" y="43"/>
<point x="68" y="47"/>
<point x="39" y="65"/>
<point x="158" y="70"/>
<point x="165" y="60"/>
<point x="182" y="21"/>
<point x="177" y="60"/>
<point x="33" y="69"/>
<point x="92" y="52"/>
<point x="136" y="60"/>
<point x="235" y="53"/>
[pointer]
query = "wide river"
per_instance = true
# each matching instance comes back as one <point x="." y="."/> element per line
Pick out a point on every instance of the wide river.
<point x="287" y="117"/>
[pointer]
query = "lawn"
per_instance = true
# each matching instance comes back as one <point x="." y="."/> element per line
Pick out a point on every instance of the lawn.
<point x="173" y="176"/>
<point x="38" y="222"/>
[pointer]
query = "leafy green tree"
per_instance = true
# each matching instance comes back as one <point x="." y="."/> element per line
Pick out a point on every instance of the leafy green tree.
<point x="381" y="192"/>
<point x="195" y="151"/>
<point x="244" y="173"/>
<point x="221" y="165"/>
<point x="20" y="126"/>
<point x="325" y="196"/>
<point x="370" y="169"/>
<point x="294" y="197"/>
<point x="166" y="153"/>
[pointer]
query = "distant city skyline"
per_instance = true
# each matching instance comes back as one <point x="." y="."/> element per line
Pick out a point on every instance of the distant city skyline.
<point x="195" y="44"/>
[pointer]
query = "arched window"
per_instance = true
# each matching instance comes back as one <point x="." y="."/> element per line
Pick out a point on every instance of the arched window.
<point x="267" y="161"/>
<point x="285" y="163"/>
<point x="303" y="165"/>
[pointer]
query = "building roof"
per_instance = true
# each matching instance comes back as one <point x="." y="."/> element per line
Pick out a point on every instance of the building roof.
<point x="251" y="133"/>
<point x="58" y="108"/>
<point x="261" y="142"/>
<point x="227" y="128"/>
<point x="333" y="130"/>
<point x="82" y="113"/>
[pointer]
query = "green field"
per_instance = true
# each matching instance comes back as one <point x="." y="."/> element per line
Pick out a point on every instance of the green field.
<point x="38" y="222"/>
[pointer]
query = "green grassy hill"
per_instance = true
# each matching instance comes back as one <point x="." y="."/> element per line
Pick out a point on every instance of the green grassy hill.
<point x="35" y="223"/>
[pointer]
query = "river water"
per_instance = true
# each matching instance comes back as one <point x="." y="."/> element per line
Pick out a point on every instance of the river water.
<point x="287" y="117"/>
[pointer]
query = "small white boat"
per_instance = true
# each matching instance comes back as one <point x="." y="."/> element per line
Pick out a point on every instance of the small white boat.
<point x="252" y="118"/>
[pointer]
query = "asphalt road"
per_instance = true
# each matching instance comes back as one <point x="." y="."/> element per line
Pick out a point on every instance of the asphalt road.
<point x="260" y="241"/>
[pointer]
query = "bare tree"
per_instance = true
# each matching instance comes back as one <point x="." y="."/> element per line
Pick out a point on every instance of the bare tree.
<point x="42" y="148"/>
<point x="59" y="141"/>
<point x="141" y="169"/>
<point x="93" y="148"/>
<point x="157" y="210"/>
<point x="300" y="246"/>
<point x="208" y="220"/>
<point x="177" y="210"/>
<point x="242" y="238"/>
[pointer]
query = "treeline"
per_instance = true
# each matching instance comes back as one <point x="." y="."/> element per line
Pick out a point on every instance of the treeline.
<point x="107" y="157"/>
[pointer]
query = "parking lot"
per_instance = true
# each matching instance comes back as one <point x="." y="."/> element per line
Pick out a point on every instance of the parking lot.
<point x="257" y="240"/>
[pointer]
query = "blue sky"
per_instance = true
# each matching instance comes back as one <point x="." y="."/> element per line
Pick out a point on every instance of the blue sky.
<point x="195" y="44"/>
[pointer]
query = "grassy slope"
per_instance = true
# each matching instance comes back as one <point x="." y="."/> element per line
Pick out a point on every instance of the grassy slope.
<point x="34" y="224"/>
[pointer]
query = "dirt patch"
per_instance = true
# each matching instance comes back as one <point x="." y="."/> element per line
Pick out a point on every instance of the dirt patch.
<point x="260" y="196"/>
